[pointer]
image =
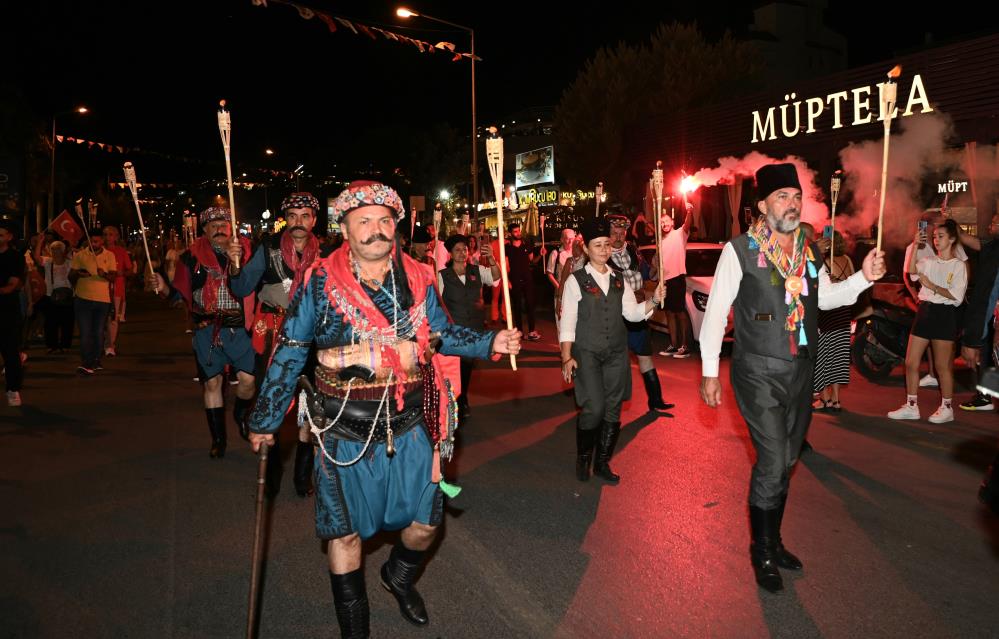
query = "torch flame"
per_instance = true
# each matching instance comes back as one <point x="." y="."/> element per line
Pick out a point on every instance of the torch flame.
<point x="895" y="72"/>
<point x="689" y="184"/>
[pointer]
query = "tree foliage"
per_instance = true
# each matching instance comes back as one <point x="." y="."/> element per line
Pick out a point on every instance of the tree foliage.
<point x="625" y="84"/>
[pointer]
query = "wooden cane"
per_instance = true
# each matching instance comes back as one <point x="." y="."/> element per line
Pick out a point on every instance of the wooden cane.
<point x="258" y="545"/>
<point x="494" y="156"/>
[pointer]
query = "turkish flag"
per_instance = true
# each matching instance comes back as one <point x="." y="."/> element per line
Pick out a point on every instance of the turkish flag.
<point x="67" y="227"/>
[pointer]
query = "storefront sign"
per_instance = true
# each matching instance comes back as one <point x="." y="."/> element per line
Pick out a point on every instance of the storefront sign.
<point x="951" y="186"/>
<point x="793" y="121"/>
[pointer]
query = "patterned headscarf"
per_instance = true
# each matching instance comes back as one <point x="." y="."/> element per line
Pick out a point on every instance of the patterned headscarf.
<point x="213" y="213"/>
<point x="366" y="193"/>
<point x="302" y="200"/>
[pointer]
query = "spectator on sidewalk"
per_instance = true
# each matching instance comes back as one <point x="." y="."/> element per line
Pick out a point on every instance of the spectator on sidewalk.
<point x="11" y="280"/>
<point x="92" y="271"/>
<point x="674" y="252"/>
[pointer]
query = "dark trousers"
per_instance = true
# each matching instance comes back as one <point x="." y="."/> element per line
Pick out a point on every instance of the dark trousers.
<point x="58" y="324"/>
<point x="10" y="348"/>
<point x="522" y="301"/>
<point x="90" y="317"/>
<point x="467" y="364"/>
<point x="775" y="399"/>
<point x="603" y="382"/>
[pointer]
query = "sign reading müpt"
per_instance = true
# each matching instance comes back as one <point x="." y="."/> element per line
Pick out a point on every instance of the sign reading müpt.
<point x="793" y="121"/>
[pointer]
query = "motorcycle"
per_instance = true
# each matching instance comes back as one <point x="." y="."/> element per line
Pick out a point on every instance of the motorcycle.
<point x="880" y="339"/>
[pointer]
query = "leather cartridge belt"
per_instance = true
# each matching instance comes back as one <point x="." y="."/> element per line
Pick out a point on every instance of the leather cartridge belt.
<point x="269" y="308"/>
<point x="355" y="420"/>
<point x="233" y="319"/>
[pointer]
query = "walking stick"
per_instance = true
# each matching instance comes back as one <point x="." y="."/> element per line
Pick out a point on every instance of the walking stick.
<point x="133" y="187"/>
<point x="225" y="130"/>
<point x="258" y="545"/>
<point x="494" y="156"/>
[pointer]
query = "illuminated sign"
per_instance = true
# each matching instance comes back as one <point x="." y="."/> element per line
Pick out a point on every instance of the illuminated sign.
<point x="765" y="126"/>
<point x="950" y="186"/>
<point x="536" y="167"/>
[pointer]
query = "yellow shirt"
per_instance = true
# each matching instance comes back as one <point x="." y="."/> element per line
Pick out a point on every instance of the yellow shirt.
<point x="94" y="287"/>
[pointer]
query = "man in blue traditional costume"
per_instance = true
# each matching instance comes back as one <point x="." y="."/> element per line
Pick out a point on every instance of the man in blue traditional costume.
<point x="275" y="271"/>
<point x="383" y="406"/>
<point x="776" y="282"/>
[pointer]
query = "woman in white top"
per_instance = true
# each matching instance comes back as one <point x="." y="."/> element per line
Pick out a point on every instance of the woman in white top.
<point x="594" y="345"/>
<point x="944" y="279"/>
<point x="59" y="299"/>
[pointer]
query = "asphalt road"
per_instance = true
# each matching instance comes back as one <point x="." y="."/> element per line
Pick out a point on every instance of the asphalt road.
<point x="115" y="522"/>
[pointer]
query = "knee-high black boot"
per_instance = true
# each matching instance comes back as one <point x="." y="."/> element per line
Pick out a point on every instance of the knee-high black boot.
<point x="398" y="575"/>
<point x="303" y="468"/>
<point x="988" y="493"/>
<point x="585" y="441"/>
<point x="351" y="602"/>
<point x="241" y="415"/>
<point x="654" y="390"/>
<point x="763" y="551"/>
<point x="216" y="426"/>
<point x="785" y="559"/>
<point x="606" y="442"/>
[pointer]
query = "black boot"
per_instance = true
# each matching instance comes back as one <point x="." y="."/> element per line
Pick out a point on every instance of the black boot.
<point x="272" y="479"/>
<point x="241" y="415"/>
<point x="763" y="550"/>
<point x="655" y="391"/>
<point x="398" y="575"/>
<point x="303" y="468"/>
<point x="216" y="426"/>
<point x="606" y="442"/>
<point x="351" y="602"/>
<point x="585" y="441"/>
<point x="785" y="559"/>
<point x="988" y="493"/>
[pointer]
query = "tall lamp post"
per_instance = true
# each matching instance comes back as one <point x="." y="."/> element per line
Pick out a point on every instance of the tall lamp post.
<point x="81" y="109"/>
<point x="402" y="12"/>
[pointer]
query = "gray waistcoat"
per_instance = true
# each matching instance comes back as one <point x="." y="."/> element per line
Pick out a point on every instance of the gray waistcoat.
<point x="760" y="308"/>
<point x="598" y="319"/>
<point x="464" y="301"/>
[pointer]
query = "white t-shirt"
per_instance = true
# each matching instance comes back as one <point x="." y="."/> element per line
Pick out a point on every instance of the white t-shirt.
<point x="927" y="251"/>
<point x="950" y="274"/>
<point x="674" y="250"/>
<point x="556" y="260"/>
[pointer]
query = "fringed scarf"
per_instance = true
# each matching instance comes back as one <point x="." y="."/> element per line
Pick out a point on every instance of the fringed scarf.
<point x="789" y="271"/>
<point x="298" y="264"/>
<point x="218" y="272"/>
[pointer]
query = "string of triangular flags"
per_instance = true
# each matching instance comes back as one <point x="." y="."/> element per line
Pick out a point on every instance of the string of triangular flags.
<point x="357" y="28"/>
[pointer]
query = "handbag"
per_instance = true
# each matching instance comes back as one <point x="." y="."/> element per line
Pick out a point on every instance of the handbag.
<point x="62" y="296"/>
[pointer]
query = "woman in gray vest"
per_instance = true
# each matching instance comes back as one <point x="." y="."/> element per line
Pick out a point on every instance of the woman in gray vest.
<point x="594" y="344"/>
<point x="460" y="284"/>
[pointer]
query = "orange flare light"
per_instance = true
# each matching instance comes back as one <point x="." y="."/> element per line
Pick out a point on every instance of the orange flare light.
<point x="689" y="184"/>
<point x="895" y="72"/>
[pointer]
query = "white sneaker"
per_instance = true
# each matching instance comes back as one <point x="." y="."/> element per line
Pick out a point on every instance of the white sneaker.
<point x="681" y="353"/>
<point x="942" y="416"/>
<point x="668" y="352"/>
<point x="907" y="411"/>
<point x="13" y="398"/>
<point x="928" y="381"/>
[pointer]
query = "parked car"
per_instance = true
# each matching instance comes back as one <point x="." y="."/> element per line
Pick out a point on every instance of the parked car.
<point x="702" y="258"/>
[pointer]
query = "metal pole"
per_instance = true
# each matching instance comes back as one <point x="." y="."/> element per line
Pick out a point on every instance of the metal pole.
<point x="475" y="144"/>
<point x="52" y="173"/>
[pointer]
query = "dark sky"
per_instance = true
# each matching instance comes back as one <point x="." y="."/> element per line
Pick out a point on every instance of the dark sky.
<point x="152" y="72"/>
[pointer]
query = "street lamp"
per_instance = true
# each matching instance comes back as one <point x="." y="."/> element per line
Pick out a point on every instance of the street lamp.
<point x="81" y="110"/>
<point x="403" y="12"/>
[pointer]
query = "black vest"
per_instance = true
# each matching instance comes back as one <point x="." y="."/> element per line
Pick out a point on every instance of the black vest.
<point x="760" y="309"/>
<point x="598" y="316"/>
<point x="464" y="301"/>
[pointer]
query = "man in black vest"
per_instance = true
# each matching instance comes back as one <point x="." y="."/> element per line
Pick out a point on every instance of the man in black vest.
<point x="776" y="282"/>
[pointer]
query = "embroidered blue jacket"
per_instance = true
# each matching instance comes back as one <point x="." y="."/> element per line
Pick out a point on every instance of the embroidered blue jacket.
<point x="312" y="319"/>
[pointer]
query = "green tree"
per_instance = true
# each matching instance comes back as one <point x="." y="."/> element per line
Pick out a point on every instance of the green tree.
<point x="625" y="84"/>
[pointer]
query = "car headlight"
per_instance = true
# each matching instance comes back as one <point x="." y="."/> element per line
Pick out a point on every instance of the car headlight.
<point x="700" y="300"/>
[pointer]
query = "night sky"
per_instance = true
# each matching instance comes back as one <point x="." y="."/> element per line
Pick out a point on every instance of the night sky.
<point x="152" y="72"/>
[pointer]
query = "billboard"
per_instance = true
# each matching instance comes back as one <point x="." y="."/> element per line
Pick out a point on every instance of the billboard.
<point x="536" y="167"/>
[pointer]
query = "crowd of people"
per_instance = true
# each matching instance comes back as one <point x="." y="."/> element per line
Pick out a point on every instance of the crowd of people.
<point x="376" y="338"/>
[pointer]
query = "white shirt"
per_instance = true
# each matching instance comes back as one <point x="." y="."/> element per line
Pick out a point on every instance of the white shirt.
<point x="949" y="274"/>
<point x="674" y="250"/>
<point x="557" y="260"/>
<point x="485" y="273"/>
<point x="631" y="310"/>
<point x="928" y="251"/>
<point x="725" y="287"/>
